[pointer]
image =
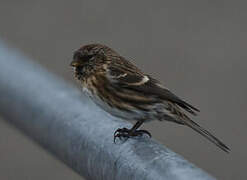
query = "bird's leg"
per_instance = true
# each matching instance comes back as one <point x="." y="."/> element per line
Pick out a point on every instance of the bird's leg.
<point x="126" y="133"/>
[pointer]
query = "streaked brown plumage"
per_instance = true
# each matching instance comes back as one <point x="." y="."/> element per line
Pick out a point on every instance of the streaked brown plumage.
<point x="123" y="90"/>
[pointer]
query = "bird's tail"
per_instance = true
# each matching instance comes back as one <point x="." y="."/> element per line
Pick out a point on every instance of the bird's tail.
<point x="206" y="134"/>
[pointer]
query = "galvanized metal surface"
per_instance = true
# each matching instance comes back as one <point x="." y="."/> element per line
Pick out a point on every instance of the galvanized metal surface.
<point x="66" y="123"/>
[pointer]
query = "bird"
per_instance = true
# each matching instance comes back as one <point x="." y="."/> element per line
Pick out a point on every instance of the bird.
<point x="123" y="90"/>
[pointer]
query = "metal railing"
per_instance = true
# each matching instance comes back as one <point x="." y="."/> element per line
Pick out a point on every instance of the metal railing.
<point x="64" y="122"/>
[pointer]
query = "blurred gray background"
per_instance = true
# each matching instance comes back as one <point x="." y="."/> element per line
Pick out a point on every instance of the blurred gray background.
<point x="196" y="48"/>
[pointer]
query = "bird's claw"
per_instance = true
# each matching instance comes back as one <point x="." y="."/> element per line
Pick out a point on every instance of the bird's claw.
<point x="126" y="133"/>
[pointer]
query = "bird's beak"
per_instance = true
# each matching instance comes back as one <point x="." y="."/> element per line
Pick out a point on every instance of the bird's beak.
<point x="75" y="63"/>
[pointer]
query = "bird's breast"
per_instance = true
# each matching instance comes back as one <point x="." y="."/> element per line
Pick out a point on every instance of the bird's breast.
<point x="99" y="92"/>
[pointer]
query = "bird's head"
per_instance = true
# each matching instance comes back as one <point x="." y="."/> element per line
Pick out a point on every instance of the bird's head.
<point x="87" y="54"/>
<point x="90" y="58"/>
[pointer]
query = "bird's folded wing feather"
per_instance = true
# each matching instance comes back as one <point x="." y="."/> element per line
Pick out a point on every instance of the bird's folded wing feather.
<point x="131" y="78"/>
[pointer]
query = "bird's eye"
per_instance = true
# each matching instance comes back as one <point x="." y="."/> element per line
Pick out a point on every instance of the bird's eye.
<point x="81" y="56"/>
<point x="87" y="57"/>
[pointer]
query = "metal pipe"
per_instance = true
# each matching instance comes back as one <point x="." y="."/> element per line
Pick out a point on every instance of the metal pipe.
<point x="64" y="122"/>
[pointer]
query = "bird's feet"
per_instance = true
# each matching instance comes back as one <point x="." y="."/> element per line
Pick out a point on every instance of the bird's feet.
<point x="126" y="133"/>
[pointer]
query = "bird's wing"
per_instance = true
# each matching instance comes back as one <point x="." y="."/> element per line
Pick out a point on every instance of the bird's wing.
<point x="130" y="77"/>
